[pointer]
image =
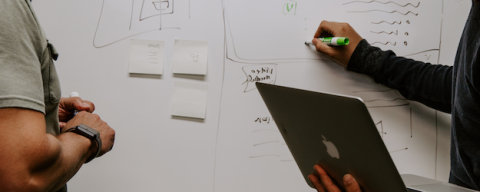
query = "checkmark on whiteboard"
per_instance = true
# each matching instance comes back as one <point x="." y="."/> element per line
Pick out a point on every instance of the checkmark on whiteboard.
<point x="290" y="7"/>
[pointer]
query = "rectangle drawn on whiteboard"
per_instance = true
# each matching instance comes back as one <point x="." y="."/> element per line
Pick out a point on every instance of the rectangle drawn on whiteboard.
<point x="146" y="57"/>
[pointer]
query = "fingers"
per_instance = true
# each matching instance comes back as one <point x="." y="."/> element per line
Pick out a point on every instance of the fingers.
<point x="325" y="180"/>
<point x="351" y="184"/>
<point x="325" y="28"/>
<point x="316" y="183"/>
<point x="76" y="103"/>
<point x="322" y="47"/>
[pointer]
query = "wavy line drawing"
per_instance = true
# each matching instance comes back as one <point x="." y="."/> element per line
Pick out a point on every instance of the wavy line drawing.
<point x="266" y="143"/>
<point x="391" y="12"/>
<point x="398" y="22"/>
<point x="375" y="1"/>
<point x="393" y="32"/>
<point x="388" y="42"/>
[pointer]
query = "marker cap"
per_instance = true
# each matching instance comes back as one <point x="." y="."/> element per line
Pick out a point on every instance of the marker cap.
<point x="342" y="41"/>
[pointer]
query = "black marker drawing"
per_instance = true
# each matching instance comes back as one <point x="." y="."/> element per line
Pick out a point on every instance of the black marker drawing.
<point x="388" y="42"/>
<point x="398" y="150"/>
<point x="375" y="1"/>
<point x="144" y="16"/>
<point x="259" y="73"/>
<point x="268" y="142"/>
<point x="381" y="128"/>
<point x="397" y="22"/>
<point x="388" y="33"/>
<point x="378" y="10"/>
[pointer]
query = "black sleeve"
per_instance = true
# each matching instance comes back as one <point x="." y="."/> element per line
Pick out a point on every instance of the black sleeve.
<point x="415" y="80"/>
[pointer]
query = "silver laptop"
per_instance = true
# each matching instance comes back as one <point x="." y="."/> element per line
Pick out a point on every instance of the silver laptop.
<point x="337" y="133"/>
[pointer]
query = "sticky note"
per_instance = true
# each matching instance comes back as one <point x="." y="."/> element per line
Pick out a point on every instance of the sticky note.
<point x="189" y="100"/>
<point x="146" y="57"/>
<point x="190" y="57"/>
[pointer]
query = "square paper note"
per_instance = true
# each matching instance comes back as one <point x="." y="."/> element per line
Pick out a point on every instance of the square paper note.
<point x="190" y="57"/>
<point x="146" y="57"/>
<point x="189" y="100"/>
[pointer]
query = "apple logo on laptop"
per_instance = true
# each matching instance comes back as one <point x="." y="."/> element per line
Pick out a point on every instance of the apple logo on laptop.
<point x="331" y="149"/>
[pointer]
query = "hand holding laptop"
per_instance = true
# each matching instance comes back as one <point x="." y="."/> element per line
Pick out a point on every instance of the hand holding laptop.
<point x="323" y="183"/>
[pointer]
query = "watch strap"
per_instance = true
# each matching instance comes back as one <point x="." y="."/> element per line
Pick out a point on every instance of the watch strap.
<point x="89" y="133"/>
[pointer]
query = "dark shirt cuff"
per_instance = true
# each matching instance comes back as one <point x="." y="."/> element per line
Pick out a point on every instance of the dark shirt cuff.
<point x="366" y="59"/>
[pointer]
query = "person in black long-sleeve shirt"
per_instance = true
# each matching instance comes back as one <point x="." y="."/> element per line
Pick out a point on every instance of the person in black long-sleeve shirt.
<point x="454" y="90"/>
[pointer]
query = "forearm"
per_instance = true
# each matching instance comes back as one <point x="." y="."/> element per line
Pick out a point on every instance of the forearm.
<point x="68" y="153"/>
<point x="418" y="81"/>
<point x="33" y="160"/>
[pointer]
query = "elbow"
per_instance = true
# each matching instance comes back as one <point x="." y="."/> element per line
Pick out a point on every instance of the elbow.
<point x="20" y="181"/>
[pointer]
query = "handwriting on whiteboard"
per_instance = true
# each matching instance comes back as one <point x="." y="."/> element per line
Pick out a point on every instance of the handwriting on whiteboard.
<point x="259" y="73"/>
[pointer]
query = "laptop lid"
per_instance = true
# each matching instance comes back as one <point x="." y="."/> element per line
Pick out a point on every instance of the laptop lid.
<point x="335" y="132"/>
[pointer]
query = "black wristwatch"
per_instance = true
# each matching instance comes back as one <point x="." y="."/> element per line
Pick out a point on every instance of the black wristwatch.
<point x="89" y="133"/>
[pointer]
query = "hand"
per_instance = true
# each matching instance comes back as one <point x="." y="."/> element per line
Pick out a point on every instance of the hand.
<point x="67" y="107"/>
<point x="340" y="54"/>
<point x="107" y="134"/>
<point x="323" y="183"/>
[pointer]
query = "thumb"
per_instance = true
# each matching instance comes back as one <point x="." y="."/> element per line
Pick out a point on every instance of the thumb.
<point x="351" y="184"/>
<point x="322" y="47"/>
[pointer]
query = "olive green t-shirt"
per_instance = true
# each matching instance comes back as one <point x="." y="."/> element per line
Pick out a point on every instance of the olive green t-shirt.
<point x="28" y="78"/>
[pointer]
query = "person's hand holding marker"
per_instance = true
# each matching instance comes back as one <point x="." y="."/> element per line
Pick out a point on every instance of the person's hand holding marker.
<point x="340" y="54"/>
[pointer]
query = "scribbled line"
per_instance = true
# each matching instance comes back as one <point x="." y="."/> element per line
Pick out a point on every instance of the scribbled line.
<point x="264" y="130"/>
<point x="398" y="150"/>
<point x="266" y="143"/>
<point x="384" y="3"/>
<point x="393" y="32"/>
<point x="384" y="106"/>
<point x="399" y="22"/>
<point x="373" y="100"/>
<point x="388" y="42"/>
<point x="378" y="10"/>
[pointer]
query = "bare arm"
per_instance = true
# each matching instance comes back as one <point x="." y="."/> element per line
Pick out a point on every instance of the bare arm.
<point x="33" y="160"/>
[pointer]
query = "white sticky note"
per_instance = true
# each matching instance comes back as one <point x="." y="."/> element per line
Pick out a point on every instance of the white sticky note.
<point x="189" y="100"/>
<point x="146" y="57"/>
<point x="190" y="57"/>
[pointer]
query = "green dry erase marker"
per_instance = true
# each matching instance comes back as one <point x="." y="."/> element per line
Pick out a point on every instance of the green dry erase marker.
<point x="334" y="41"/>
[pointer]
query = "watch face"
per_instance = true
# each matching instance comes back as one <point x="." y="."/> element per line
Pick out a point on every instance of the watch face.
<point x="86" y="131"/>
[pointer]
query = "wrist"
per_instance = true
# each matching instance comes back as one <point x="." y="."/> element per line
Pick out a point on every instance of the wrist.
<point x="86" y="146"/>
<point x="92" y="135"/>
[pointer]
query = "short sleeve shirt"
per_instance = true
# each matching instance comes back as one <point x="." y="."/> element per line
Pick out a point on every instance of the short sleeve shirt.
<point x="28" y="78"/>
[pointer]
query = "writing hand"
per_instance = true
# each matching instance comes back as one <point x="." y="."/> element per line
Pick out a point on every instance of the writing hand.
<point x="67" y="107"/>
<point x="323" y="183"/>
<point x="340" y="54"/>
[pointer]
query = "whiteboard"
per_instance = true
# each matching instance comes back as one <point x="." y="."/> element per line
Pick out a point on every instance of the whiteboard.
<point x="248" y="41"/>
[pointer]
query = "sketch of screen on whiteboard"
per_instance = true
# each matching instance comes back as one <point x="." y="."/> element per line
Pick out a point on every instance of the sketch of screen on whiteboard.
<point x="122" y="19"/>
<point x="278" y="30"/>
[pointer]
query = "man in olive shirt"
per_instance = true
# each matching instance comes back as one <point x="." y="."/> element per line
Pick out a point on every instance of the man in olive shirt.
<point x="35" y="153"/>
